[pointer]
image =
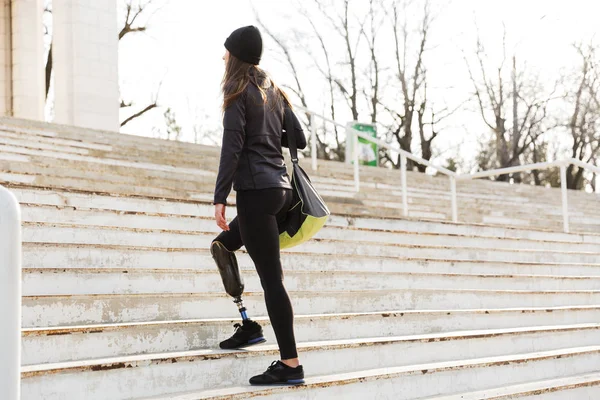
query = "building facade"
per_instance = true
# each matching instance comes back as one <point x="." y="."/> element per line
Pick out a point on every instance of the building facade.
<point x="85" y="62"/>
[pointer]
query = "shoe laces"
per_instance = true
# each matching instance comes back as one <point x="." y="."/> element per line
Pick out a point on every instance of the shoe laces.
<point x="272" y="366"/>
<point x="237" y="330"/>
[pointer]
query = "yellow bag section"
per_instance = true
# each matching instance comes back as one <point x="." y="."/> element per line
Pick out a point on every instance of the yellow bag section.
<point x="309" y="228"/>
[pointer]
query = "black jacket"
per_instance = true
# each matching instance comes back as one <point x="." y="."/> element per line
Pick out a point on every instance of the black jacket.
<point x="251" y="155"/>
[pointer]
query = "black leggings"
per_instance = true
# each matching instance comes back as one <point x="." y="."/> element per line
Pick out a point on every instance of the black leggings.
<point x="257" y="226"/>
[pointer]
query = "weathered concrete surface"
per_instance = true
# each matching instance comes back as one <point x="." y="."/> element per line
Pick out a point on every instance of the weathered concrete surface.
<point x="52" y="345"/>
<point x="407" y="384"/>
<point x="580" y="387"/>
<point x="92" y="257"/>
<point x="39" y="311"/>
<point x="428" y="197"/>
<point x="399" y="382"/>
<point x="122" y="299"/>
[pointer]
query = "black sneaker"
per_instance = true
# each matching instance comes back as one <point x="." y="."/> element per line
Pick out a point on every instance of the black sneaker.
<point x="245" y="335"/>
<point x="278" y="372"/>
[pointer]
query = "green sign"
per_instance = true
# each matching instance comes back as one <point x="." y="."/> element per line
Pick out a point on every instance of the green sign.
<point x="368" y="152"/>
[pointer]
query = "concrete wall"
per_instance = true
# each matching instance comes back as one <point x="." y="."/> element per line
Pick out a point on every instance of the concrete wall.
<point x="5" y="60"/>
<point x="28" y="59"/>
<point x="86" y="64"/>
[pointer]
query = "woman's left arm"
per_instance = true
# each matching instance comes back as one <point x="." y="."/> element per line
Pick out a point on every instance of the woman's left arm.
<point x="298" y="132"/>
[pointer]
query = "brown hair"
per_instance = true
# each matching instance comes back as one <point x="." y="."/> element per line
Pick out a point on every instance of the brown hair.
<point x="238" y="74"/>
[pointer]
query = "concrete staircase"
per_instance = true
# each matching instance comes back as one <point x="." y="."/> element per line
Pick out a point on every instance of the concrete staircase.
<point x="122" y="299"/>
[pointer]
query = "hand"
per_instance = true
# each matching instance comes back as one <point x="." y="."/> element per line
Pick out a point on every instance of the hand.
<point x="220" y="217"/>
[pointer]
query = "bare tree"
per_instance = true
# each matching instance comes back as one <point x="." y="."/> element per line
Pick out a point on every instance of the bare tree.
<point x="132" y="12"/>
<point x="374" y="70"/>
<point x="341" y="24"/>
<point x="411" y="76"/>
<point x="339" y="149"/>
<point x="151" y="106"/>
<point x="584" y="121"/>
<point x="297" y="89"/>
<point x="134" y="9"/>
<point x="358" y="76"/>
<point x="498" y="99"/>
<point x="47" y="34"/>
<point x="337" y="83"/>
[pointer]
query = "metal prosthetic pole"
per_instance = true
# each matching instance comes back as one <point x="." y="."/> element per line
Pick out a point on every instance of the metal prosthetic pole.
<point x="238" y="301"/>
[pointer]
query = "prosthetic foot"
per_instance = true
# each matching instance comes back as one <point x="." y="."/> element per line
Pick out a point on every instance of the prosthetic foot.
<point x="249" y="332"/>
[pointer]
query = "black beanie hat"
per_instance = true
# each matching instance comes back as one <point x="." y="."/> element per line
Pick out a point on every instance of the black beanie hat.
<point x="246" y="44"/>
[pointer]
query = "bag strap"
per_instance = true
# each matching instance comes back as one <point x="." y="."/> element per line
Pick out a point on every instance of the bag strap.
<point x="291" y="133"/>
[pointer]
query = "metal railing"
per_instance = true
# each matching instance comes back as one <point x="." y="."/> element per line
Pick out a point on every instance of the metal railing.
<point x="404" y="155"/>
<point x="562" y="164"/>
<point x="10" y="296"/>
<point x="453" y="177"/>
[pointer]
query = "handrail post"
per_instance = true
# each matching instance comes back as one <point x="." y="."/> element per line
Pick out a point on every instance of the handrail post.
<point x="10" y="296"/>
<point x="313" y="140"/>
<point x="565" y="199"/>
<point x="355" y="157"/>
<point x="454" y="201"/>
<point x="404" y="185"/>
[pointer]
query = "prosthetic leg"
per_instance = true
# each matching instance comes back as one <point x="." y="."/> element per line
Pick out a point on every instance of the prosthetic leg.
<point x="249" y="332"/>
<point x="230" y="274"/>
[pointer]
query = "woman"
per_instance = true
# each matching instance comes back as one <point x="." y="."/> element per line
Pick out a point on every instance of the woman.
<point x="252" y="160"/>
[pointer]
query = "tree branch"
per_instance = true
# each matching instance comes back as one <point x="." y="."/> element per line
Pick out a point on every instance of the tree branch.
<point x="139" y="114"/>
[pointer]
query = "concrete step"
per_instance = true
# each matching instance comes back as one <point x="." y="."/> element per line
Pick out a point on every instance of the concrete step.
<point x="462" y="229"/>
<point x="180" y="372"/>
<point x="136" y="205"/>
<point x="130" y="145"/>
<point x="17" y="140"/>
<point x="85" y="256"/>
<point x="76" y="175"/>
<point x="104" y="161"/>
<point x="439" y="188"/>
<point x="61" y="344"/>
<point x="433" y="379"/>
<point x="51" y="311"/>
<point x="493" y="210"/>
<point x="125" y="141"/>
<point x="580" y="387"/>
<point x="79" y="184"/>
<point x="51" y="159"/>
<point x="176" y="189"/>
<point x="549" y="223"/>
<point x="57" y="169"/>
<point x="59" y="234"/>
<point x="169" y="179"/>
<point x="135" y="189"/>
<point x="433" y="196"/>
<point x="486" y="213"/>
<point x="52" y="140"/>
<point x="25" y="141"/>
<point x="137" y="186"/>
<point x="43" y="281"/>
<point x="165" y="223"/>
<point x="43" y="142"/>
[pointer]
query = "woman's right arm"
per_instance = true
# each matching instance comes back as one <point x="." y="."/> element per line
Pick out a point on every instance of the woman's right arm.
<point x="234" y="134"/>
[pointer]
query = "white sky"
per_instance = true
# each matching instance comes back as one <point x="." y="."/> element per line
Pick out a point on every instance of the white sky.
<point x="184" y="46"/>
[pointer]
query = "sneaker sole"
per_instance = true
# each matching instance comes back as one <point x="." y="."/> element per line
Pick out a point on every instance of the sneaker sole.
<point x="248" y="344"/>
<point x="288" y="382"/>
<point x="257" y="340"/>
